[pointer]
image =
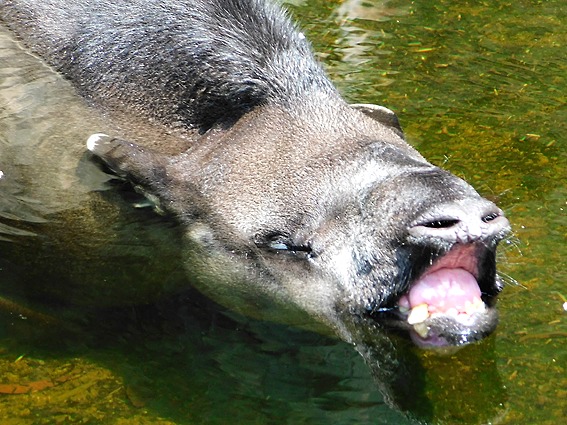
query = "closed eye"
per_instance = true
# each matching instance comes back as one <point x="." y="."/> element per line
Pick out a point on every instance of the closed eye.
<point x="280" y="242"/>
<point x="293" y="248"/>
<point x="278" y="245"/>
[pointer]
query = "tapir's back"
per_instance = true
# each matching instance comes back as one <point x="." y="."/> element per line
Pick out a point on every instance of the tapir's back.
<point x="191" y="62"/>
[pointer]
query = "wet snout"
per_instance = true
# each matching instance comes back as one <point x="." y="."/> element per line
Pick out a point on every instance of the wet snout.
<point x="462" y="221"/>
<point x="451" y="300"/>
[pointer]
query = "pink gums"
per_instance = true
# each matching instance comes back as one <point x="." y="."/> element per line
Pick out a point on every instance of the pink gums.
<point x="448" y="284"/>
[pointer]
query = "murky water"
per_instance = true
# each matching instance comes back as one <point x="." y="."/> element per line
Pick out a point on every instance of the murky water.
<point x="480" y="88"/>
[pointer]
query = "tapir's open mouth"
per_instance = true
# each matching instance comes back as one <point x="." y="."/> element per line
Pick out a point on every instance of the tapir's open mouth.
<point x="446" y="305"/>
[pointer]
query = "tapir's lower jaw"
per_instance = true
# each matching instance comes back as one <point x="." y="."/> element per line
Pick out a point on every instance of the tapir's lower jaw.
<point x="445" y="330"/>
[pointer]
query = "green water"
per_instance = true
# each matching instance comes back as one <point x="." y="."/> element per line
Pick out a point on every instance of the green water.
<point x="480" y="88"/>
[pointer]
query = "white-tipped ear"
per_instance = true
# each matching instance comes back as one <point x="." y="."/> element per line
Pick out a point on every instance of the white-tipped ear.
<point x="128" y="160"/>
<point x="94" y="139"/>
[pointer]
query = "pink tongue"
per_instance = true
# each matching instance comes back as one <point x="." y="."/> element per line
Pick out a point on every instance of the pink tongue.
<point x="445" y="289"/>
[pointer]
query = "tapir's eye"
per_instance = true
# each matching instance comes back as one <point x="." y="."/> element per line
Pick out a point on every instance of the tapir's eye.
<point x="278" y="241"/>
<point x="279" y="245"/>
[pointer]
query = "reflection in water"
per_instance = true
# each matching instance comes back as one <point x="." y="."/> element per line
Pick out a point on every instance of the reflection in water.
<point x="462" y="386"/>
<point x="356" y="43"/>
<point x="185" y="357"/>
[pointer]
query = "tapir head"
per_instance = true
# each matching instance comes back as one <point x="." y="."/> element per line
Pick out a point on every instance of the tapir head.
<point x="343" y="221"/>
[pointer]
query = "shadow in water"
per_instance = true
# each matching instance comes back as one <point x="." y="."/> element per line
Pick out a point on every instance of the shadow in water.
<point x="190" y="361"/>
<point x="455" y="386"/>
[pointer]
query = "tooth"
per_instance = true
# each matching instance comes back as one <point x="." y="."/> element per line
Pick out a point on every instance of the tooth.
<point x="477" y="305"/>
<point x="418" y="314"/>
<point x="421" y="329"/>
<point x="452" y="312"/>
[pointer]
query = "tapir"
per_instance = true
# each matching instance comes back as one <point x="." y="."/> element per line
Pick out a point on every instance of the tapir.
<point x="285" y="197"/>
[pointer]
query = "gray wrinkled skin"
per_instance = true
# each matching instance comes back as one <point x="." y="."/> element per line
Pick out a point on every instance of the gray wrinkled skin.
<point x="288" y="197"/>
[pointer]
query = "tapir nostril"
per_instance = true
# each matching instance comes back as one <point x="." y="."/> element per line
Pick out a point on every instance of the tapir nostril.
<point x="461" y="221"/>
<point x="490" y="217"/>
<point x="441" y="224"/>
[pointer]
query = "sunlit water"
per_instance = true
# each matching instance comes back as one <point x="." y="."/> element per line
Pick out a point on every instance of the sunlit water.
<point x="480" y="88"/>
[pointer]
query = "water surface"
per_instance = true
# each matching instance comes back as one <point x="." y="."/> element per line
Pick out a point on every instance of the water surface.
<point x="480" y="89"/>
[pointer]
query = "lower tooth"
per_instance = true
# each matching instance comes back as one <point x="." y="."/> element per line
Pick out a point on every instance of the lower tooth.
<point x="477" y="305"/>
<point x="421" y="329"/>
<point x="418" y="314"/>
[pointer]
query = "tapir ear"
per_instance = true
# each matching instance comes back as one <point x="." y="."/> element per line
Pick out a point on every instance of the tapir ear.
<point x="381" y="114"/>
<point x="128" y="160"/>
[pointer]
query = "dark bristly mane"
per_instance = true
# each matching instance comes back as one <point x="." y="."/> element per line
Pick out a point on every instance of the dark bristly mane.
<point x="217" y="59"/>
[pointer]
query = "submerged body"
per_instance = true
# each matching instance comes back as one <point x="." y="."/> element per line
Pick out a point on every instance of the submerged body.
<point x="286" y="195"/>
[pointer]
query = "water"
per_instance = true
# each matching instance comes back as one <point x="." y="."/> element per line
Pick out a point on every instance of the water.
<point x="479" y="88"/>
